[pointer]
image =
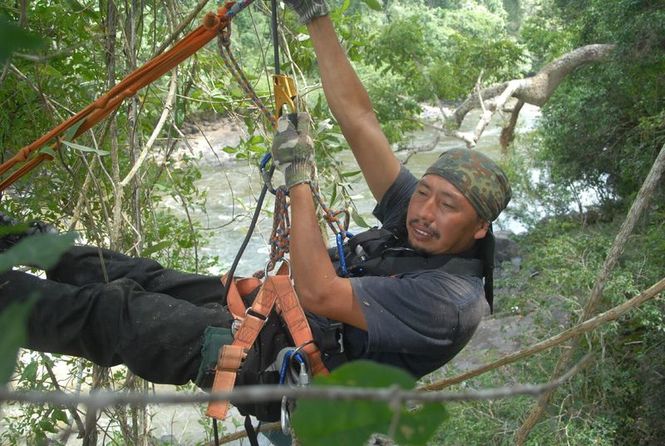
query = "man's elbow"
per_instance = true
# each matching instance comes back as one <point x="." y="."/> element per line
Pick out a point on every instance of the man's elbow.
<point x="315" y="300"/>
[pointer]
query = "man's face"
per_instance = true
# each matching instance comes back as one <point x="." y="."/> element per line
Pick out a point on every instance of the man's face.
<point x="440" y="220"/>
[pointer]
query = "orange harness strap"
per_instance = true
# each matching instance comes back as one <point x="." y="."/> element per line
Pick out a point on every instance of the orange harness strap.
<point x="276" y="290"/>
<point x="129" y="86"/>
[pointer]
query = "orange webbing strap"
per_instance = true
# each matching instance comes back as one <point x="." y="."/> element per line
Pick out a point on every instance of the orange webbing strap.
<point x="275" y="290"/>
<point x="237" y="289"/>
<point x="296" y="321"/>
<point x="231" y="356"/>
<point x="126" y="88"/>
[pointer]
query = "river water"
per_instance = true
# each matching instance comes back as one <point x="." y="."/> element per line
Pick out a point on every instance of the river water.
<point x="232" y="187"/>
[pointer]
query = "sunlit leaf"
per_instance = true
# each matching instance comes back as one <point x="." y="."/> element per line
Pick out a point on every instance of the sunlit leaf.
<point x="374" y="4"/>
<point x="156" y="247"/>
<point x="357" y="219"/>
<point x="352" y="173"/>
<point x="85" y="149"/>
<point x="352" y="422"/>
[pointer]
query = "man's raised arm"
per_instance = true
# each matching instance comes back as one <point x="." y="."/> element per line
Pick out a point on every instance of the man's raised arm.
<point x="350" y="104"/>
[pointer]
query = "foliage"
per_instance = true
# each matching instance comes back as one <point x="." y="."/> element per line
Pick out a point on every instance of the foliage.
<point x="601" y="130"/>
<point x="13" y="319"/>
<point x="352" y="422"/>
<point x="13" y="37"/>
<point x="619" y="399"/>
<point x="440" y="53"/>
<point x="604" y="126"/>
<point x="41" y="250"/>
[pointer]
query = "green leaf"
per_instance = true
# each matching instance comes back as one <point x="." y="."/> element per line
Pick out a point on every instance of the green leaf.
<point x="333" y="196"/>
<point x="69" y="134"/>
<point x="39" y="250"/>
<point x="374" y="4"/>
<point x="351" y="174"/>
<point x="156" y="247"/>
<point x="59" y="415"/>
<point x="256" y="139"/>
<point x="357" y="219"/>
<point x="85" y="149"/>
<point x="13" y="321"/>
<point x="352" y="422"/>
<point x="13" y="37"/>
<point x="47" y="426"/>
<point x="29" y="374"/>
<point x="48" y="150"/>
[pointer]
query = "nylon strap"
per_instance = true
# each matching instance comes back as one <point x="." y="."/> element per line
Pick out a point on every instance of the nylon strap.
<point x="276" y="290"/>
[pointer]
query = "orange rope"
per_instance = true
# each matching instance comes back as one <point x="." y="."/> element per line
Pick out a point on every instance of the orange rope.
<point x="128" y="87"/>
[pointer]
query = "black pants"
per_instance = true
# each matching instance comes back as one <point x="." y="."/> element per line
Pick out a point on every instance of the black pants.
<point x="113" y="309"/>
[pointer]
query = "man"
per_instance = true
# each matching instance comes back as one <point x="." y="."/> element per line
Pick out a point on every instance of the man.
<point x="414" y="299"/>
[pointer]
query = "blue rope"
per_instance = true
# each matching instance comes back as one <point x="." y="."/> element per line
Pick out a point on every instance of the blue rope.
<point x="237" y="7"/>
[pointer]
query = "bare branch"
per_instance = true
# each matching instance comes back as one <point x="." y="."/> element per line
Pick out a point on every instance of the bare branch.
<point x="158" y="128"/>
<point x="174" y="35"/>
<point x="508" y="132"/>
<point x="264" y="393"/>
<point x="560" y="338"/>
<point x="534" y="90"/>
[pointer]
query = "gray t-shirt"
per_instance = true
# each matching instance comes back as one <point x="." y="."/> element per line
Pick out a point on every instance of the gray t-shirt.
<point x="419" y="320"/>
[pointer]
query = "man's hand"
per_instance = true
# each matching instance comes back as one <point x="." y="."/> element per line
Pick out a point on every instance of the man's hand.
<point x="293" y="149"/>
<point x="308" y="9"/>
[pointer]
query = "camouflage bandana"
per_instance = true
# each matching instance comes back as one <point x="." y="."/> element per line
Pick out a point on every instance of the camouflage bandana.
<point x="477" y="177"/>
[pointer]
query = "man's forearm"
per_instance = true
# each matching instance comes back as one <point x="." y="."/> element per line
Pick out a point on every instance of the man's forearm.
<point x="319" y="288"/>
<point x="345" y="93"/>
<point x="350" y="104"/>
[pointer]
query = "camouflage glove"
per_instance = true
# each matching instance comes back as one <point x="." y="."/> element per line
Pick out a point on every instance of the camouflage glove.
<point x="293" y="149"/>
<point x="308" y="9"/>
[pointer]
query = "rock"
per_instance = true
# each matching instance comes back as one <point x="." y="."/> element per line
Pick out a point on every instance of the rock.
<point x="506" y="250"/>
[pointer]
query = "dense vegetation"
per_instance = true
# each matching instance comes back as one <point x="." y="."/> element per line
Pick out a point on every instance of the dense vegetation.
<point x="601" y="130"/>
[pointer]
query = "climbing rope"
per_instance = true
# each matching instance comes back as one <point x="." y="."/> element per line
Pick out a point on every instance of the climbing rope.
<point x="224" y="44"/>
<point x="31" y="156"/>
<point x="281" y="228"/>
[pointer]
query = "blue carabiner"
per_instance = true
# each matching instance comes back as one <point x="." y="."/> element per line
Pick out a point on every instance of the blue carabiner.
<point x="267" y="176"/>
<point x="339" y="238"/>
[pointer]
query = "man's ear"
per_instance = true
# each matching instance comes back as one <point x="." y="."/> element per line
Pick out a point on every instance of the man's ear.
<point x="482" y="228"/>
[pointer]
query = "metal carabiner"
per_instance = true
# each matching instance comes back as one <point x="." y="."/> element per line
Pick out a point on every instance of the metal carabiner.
<point x="270" y="266"/>
<point x="285" y="417"/>
<point x="266" y="175"/>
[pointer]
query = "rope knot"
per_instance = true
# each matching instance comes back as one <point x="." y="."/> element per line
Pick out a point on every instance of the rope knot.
<point x="211" y="20"/>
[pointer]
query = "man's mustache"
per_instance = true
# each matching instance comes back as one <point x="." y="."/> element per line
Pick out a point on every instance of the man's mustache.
<point x="433" y="232"/>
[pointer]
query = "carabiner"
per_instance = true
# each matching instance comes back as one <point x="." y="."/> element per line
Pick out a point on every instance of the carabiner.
<point x="266" y="175"/>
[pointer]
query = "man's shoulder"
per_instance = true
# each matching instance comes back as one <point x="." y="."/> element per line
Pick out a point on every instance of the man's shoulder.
<point x="391" y="209"/>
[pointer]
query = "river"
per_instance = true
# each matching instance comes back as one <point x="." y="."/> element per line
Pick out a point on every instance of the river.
<point x="233" y="186"/>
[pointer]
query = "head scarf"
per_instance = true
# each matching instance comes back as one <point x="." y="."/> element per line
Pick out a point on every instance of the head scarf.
<point x="477" y="177"/>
